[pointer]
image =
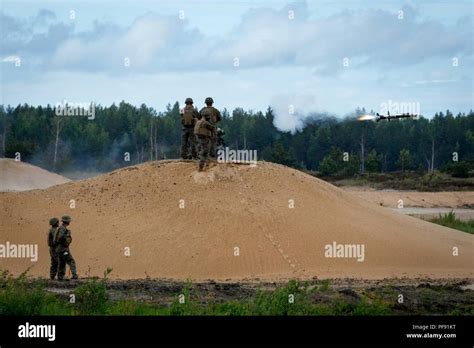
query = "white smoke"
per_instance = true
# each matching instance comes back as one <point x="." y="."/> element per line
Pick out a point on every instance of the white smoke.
<point x="290" y="111"/>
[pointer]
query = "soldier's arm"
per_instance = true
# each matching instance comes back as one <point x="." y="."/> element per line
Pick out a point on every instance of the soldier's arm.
<point x="68" y="237"/>
<point x="62" y="234"/>
<point x="218" y="116"/>
<point x="59" y="235"/>
<point x="209" y="126"/>
<point x="181" y="116"/>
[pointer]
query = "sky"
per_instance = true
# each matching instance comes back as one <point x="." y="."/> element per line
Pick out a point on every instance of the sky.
<point x="299" y="57"/>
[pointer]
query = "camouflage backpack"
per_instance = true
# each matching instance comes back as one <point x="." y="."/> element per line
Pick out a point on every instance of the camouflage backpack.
<point x="187" y="116"/>
<point x="61" y="237"/>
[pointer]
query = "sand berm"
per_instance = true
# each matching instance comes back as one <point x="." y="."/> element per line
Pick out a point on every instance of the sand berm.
<point x="236" y="224"/>
<point x="21" y="176"/>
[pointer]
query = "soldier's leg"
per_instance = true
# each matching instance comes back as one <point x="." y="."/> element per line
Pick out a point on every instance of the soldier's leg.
<point x="205" y="144"/>
<point x="184" y="143"/>
<point x="72" y="264"/>
<point x="212" y="146"/>
<point x="53" y="270"/>
<point x="198" y="145"/>
<point x="201" y="155"/>
<point x="61" y="267"/>
<point x="192" y="144"/>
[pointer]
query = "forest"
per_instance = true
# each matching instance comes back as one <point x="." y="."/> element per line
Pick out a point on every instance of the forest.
<point x="122" y="135"/>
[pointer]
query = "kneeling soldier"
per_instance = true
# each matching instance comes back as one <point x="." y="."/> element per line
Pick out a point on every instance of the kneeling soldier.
<point x="203" y="131"/>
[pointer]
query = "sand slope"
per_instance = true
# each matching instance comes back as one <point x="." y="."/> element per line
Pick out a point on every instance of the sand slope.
<point x="227" y="207"/>
<point x="21" y="176"/>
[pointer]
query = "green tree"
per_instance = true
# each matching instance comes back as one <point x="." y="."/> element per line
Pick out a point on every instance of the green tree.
<point x="332" y="163"/>
<point x="282" y="156"/>
<point x="404" y="159"/>
<point x="374" y="162"/>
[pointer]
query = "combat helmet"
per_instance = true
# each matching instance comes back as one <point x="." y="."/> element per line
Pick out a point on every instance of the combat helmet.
<point x="53" y="221"/>
<point x="66" y="218"/>
<point x="188" y="101"/>
<point x="209" y="100"/>
<point x="206" y="113"/>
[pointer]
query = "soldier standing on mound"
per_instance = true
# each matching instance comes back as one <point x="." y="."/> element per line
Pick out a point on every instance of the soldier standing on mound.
<point x="188" y="120"/>
<point x="203" y="131"/>
<point x="215" y="116"/>
<point x="63" y="240"/>
<point x="53" y="270"/>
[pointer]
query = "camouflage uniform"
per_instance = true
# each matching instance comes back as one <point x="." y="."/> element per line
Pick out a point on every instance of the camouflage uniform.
<point x="215" y="116"/>
<point x="53" y="270"/>
<point x="64" y="239"/>
<point x="188" y="143"/>
<point x="203" y="131"/>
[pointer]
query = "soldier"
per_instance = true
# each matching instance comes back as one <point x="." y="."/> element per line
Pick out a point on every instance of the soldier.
<point x="215" y="117"/>
<point x="203" y="131"/>
<point x="53" y="270"/>
<point x="196" y="139"/>
<point x="188" y="121"/>
<point x="63" y="240"/>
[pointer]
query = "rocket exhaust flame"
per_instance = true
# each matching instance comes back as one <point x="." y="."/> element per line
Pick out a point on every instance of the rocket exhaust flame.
<point x="366" y="117"/>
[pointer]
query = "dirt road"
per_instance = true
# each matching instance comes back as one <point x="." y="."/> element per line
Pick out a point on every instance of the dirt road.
<point x="425" y="205"/>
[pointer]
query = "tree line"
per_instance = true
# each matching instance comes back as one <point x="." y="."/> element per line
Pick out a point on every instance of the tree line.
<point x="121" y="135"/>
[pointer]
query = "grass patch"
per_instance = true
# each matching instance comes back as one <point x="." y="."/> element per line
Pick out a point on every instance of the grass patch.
<point x="432" y="182"/>
<point x="450" y="220"/>
<point x="21" y="296"/>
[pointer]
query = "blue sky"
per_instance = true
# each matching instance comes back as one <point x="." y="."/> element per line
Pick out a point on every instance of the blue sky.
<point x="315" y="56"/>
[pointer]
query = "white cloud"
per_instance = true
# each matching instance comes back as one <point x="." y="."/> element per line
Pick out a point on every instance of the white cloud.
<point x="10" y="59"/>
<point x="264" y="37"/>
<point x="282" y="61"/>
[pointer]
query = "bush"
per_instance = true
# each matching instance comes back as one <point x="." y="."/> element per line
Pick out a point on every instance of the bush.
<point x="91" y="298"/>
<point x="17" y="297"/>
<point x="278" y="302"/>
<point x="459" y="170"/>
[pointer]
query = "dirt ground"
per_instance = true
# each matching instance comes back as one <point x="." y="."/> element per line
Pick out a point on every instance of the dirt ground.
<point x="421" y="296"/>
<point x="233" y="222"/>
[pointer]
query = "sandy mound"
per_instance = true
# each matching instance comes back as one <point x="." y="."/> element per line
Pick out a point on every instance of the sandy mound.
<point x="228" y="207"/>
<point x="20" y="176"/>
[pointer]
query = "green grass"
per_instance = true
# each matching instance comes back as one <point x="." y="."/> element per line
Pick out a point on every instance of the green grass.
<point x="20" y="297"/>
<point x="450" y="220"/>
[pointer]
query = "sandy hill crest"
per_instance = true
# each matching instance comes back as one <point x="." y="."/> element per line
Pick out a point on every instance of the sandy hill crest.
<point x="231" y="222"/>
